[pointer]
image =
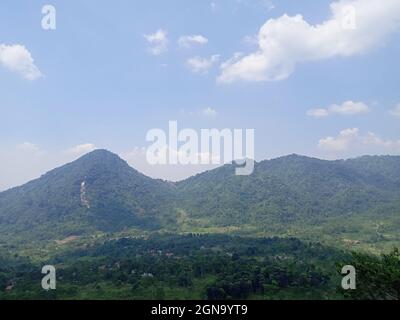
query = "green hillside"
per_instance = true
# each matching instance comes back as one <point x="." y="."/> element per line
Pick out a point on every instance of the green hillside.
<point x="281" y="233"/>
<point x="292" y="188"/>
<point x="98" y="192"/>
<point x="350" y="202"/>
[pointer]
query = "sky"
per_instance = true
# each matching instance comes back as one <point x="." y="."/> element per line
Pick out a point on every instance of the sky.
<point x="314" y="78"/>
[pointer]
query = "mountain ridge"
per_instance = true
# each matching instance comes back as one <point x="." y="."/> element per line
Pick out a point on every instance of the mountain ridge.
<point x="101" y="192"/>
<point x="116" y="197"/>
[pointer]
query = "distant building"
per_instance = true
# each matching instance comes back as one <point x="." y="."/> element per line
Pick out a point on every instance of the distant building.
<point x="147" y="275"/>
<point x="10" y="287"/>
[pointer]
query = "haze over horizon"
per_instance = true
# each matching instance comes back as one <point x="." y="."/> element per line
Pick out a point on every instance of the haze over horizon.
<point x="218" y="150"/>
<point x="63" y="95"/>
<point x="146" y="169"/>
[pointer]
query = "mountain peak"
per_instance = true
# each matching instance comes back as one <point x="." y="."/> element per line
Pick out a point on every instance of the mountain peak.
<point x="101" y="153"/>
<point x="98" y="191"/>
<point x="101" y="158"/>
<point x="295" y="156"/>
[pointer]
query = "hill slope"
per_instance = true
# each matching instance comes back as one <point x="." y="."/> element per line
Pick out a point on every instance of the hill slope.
<point x="294" y="189"/>
<point x="97" y="192"/>
<point x="100" y="192"/>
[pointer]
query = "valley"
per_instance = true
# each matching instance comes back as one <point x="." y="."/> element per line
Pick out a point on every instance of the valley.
<point x="281" y="233"/>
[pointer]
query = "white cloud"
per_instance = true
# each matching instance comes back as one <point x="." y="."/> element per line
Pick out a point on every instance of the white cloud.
<point x="373" y="140"/>
<point x="188" y="41"/>
<point x="202" y="65"/>
<point x="349" y="108"/>
<point x="340" y="143"/>
<point x="396" y="111"/>
<point x="81" y="149"/>
<point x="318" y="113"/>
<point x="18" y="59"/>
<point x="27" y="146"/>
<point x="346" y="108"/>
<point x="288" y="40"/>
<point x="352" y="140"/>
<point x="209" y="112"/>
<point x="158" y="42"/>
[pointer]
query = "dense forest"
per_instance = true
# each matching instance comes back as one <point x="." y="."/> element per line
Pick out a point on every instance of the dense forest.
<point x="214" y="267"/>
<point x="183" y="267"/>
<point x="352" y="201"/>
<point x="282" y="233"/>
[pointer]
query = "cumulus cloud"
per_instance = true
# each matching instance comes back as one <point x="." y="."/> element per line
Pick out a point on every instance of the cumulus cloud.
<point x="396" y="111"/>
<point x="188" y="41"/>
<point x="340" y="143"/>
<point x="18" y="59"/>
<point x="318" y="113"/>
<point x="346" y="108"/>
<point x="352" y="140"/>
<point x="81" y="149"/>
<point x="202" y="65"/>
<point x="158" y="42"/>
<point x="289" y="40"/>
<point x="27" y="146"/>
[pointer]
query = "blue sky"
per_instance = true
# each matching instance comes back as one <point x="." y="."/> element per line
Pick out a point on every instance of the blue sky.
<point x="101" y="82"/>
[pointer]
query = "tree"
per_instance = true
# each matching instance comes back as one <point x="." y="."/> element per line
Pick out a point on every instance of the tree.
<point x="378" y="278"/>
<point x="214" y="293"/>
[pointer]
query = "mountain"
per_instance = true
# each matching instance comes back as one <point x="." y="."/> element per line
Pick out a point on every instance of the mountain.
<point x="99" y="191"/>
<point x="294" y="189"/>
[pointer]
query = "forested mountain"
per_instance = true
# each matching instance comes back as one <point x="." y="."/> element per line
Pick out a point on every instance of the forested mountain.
<point x="113" y="233"/>
<point x="100" y="192"/>
<point x="294" y="188"/>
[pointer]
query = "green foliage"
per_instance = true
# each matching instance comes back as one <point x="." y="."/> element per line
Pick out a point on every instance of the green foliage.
<point x="378" y="278"/>
<point x="292" y="190"/>
<point x="51" y="207"/>
<point x="293" y="195"/>
<point x="353" y="204"/>
<point x="185" y="267"/>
